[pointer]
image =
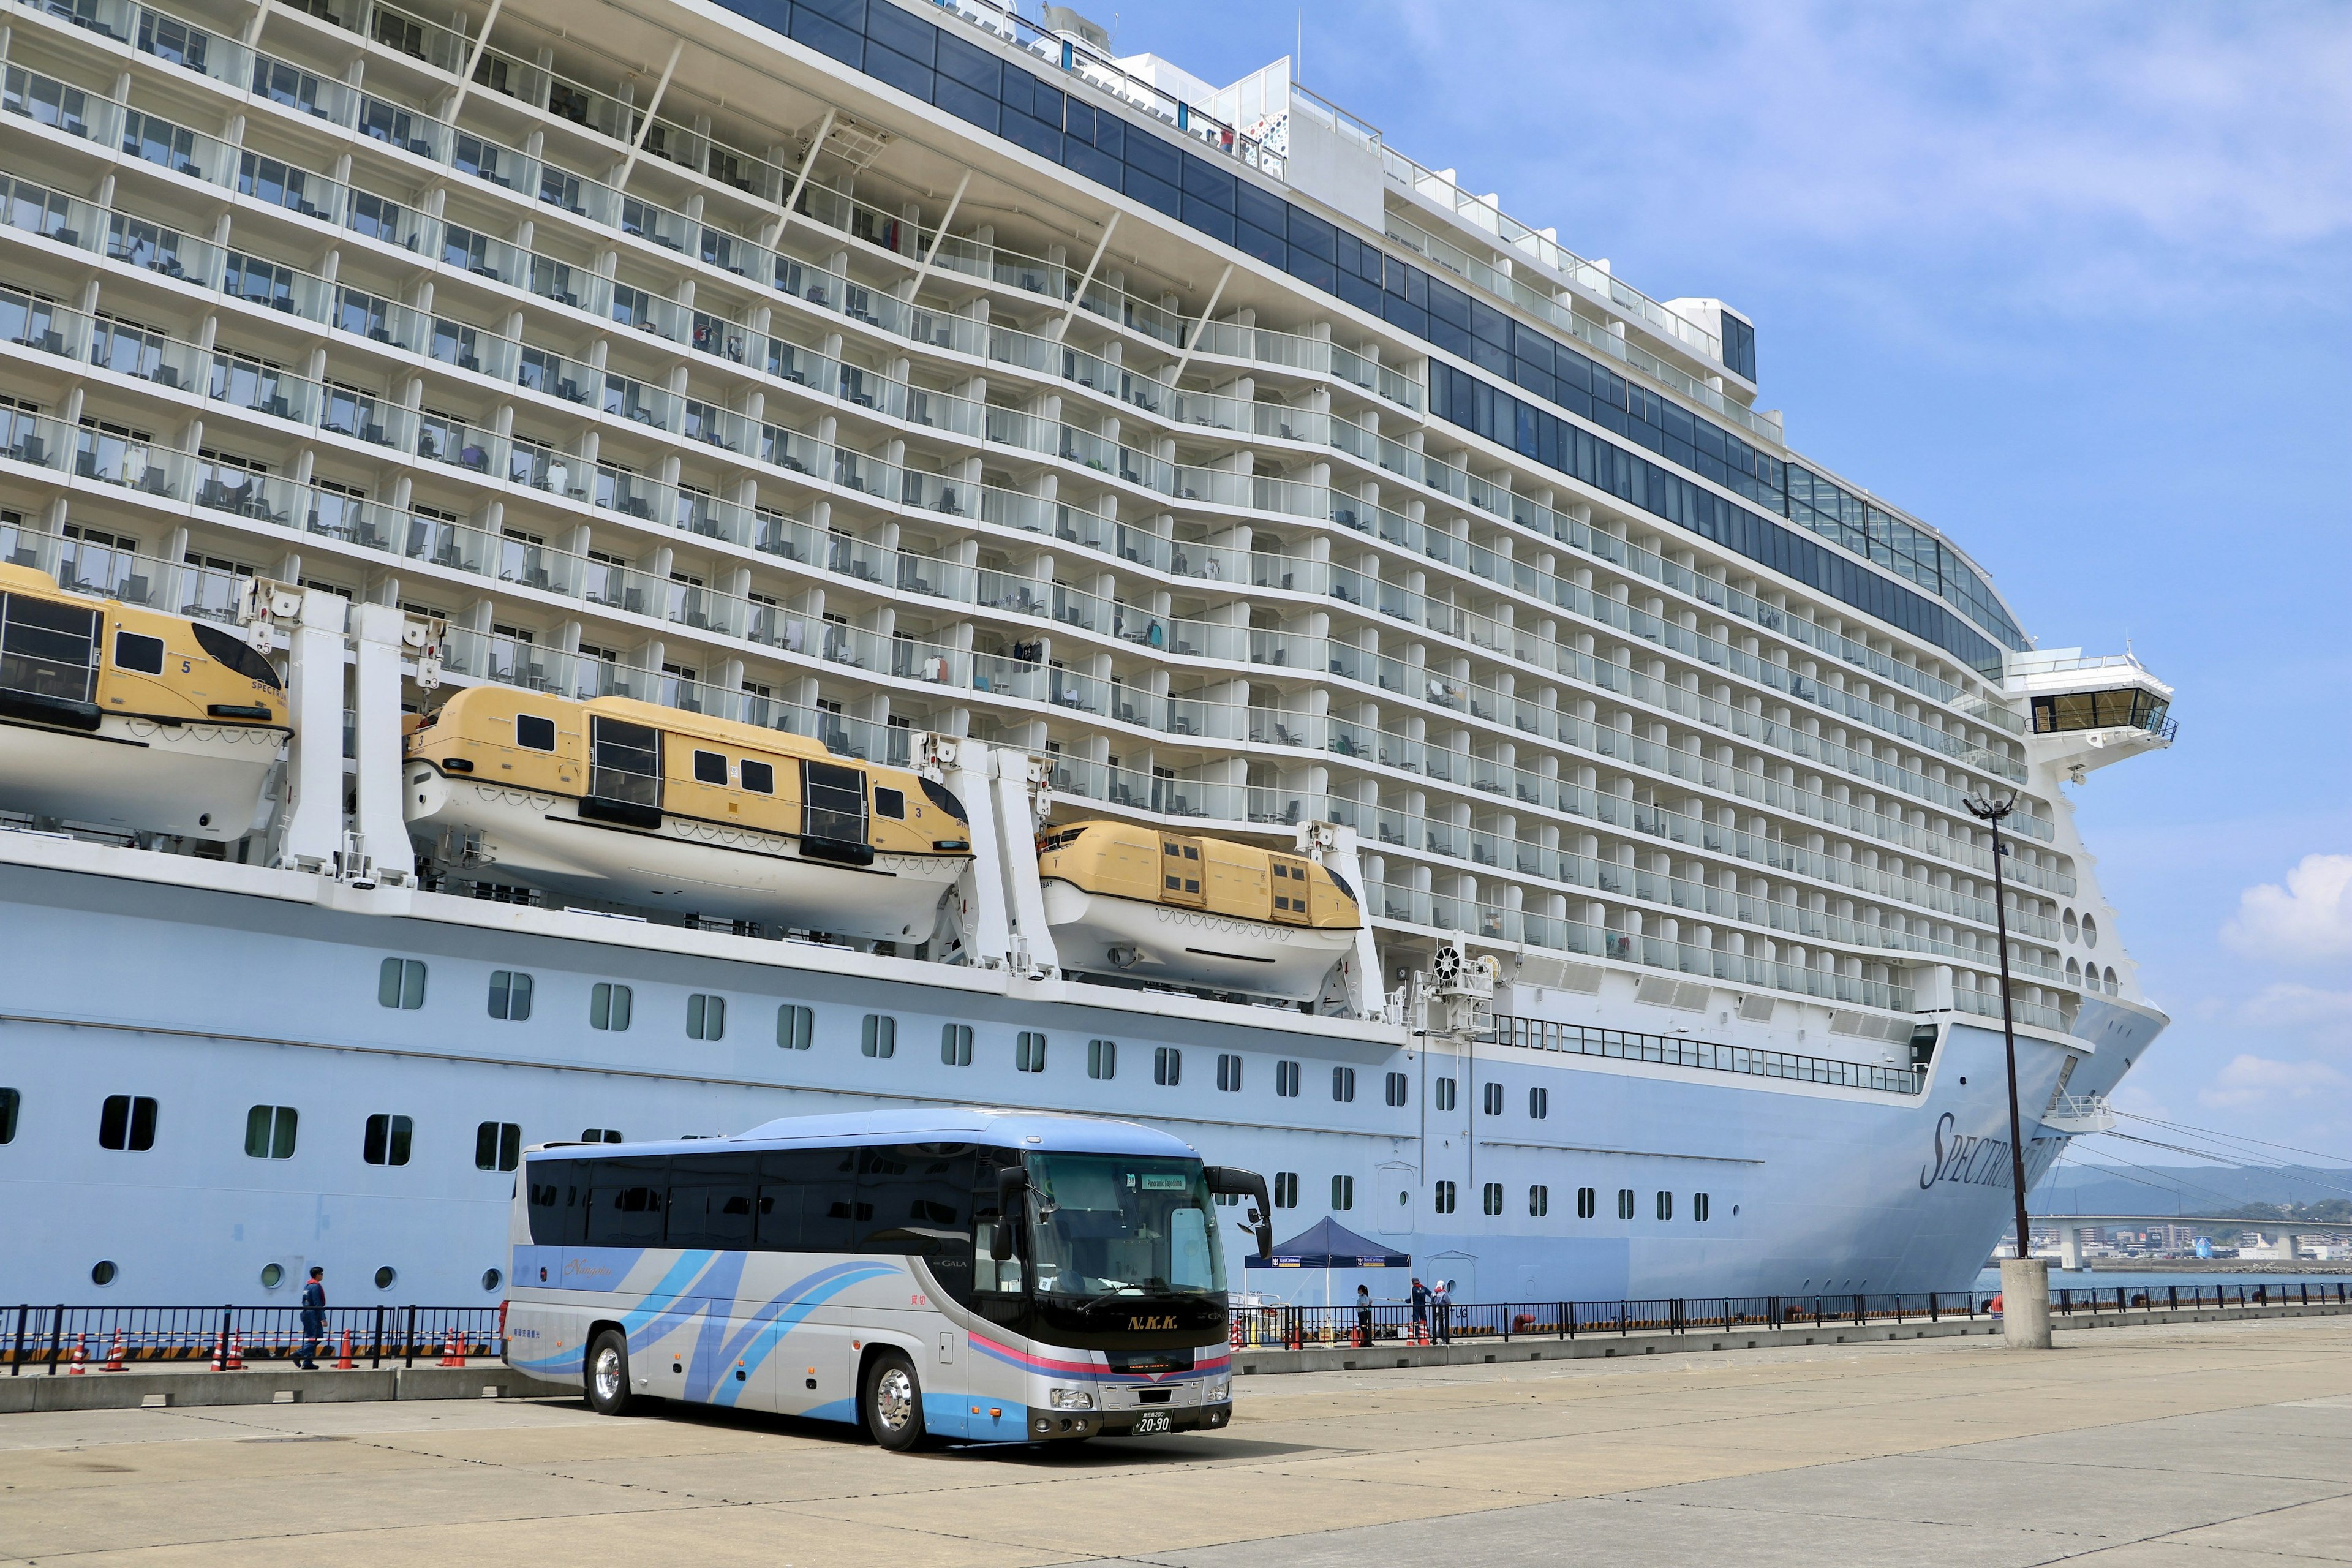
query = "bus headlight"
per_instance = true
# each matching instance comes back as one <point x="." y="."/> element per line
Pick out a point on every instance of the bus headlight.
<point x="1071" y="1399"/>
<point x="1218" y="1389"/>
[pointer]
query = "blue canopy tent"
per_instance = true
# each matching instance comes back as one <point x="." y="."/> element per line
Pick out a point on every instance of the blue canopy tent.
<point x="1328" y="1245"/>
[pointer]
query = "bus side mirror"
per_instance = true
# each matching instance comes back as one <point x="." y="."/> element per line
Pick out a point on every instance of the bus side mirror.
<point x="1011" y="1184"/>
<point x="1232" y="1180"/>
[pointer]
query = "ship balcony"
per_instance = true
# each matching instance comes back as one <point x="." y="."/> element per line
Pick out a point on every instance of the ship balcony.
<point x="2089" y="711"/>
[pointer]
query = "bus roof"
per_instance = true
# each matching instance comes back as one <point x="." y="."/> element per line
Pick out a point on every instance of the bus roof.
<point x="1044" y="1130"/>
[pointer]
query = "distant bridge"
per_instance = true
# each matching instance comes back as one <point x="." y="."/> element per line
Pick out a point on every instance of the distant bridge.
<point x="2070" y="1244"/>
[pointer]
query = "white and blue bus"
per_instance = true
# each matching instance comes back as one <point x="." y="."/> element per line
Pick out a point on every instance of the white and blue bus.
<point x="958" y="1273"/>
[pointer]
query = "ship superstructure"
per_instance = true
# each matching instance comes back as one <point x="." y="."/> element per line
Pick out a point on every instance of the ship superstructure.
<point x="885" y="445"/>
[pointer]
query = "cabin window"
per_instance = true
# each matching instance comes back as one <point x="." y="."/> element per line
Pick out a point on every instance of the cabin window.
<point x="141" y="654"/>
<point x="1167" y="1066"/>
<point x="1102" y="1059"/>
<point x="1343" y="1193"/>
<point x="387" y="1140"/>
<point x="269" y="1131"/>
<point x="1586" y="1203"/>
<point x="1624" y="1203"/>
<point x="759" y="778"/>
<point x="601" y="1135"/>
<point x="400" y="983"/>
<point x="1698" y="1208"/>
<point x="1343" y="1085"/>
<point x="795" y="1027"/>
<point x="706" y="1017"/>
<point x="624" y="762"/>
<point x="1029" y="1052"/>
<point x="955" y="1045"/>
<point x="1229" y="1072"/>
<point x="127" y="1121"/>
<point x="1396" y="1088"/>
<point x="608" y="1007"/>
<point x="1286" y="1080"/>
<point x="890" y="803"/>
<point x="509" y="994"/>
<point x="534" y="733"/>
<point x="710" y="768"/>
<point x="1286" y="1189"/>
<point x="1441" y="1198"/>
<point x="1493" y="1095"/>
<point x="1446" y="1094"/>
<point x="879" y="1037"/>
<point x="1665" y="1205"/>
<point x="1539" y="1104"/>
<point x="498" y="1146"/>
<point x="1538" y="1200"/>
<point x="832" y="803"/>
<point x="12" y="1101"/>
<point x="47" y="648"/>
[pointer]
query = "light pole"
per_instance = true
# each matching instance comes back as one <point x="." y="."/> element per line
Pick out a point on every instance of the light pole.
<point x="2036" y="1330"/>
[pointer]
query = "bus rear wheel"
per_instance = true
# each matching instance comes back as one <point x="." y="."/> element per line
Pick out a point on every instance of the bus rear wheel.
<point x="893" y="1402"/>
<point x="607" y="1373"/>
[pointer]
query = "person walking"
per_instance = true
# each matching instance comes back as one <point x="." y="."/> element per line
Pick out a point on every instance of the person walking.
<point x="1441" y="1300"/>
<point x="1419" y="1313"/>
<point x="1364" y="1316"/>
<point x="314" y="1319"/>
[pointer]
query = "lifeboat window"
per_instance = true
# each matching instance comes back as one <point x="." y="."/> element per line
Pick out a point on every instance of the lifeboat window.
<point x="140" y="653"/>
<point x="832" y="803"/>
<point x="1102" y="1059"/>
<point x="509" y="994"/>
<point x="47" y="648"/>
<point x="795" y="1027"/>
<point x="759" y="778"/>
<point x="236" y="655"/>
<point x="387" y="1138"/>
<point x="955" y="1045"/>
<point x="608" y="1007"/>
<point x="710" y="768"/>
<point x="939" y="794"/>
<point x="535" y="732"/>
<point x="891" y="803"/>
<point x="627" y="762"/>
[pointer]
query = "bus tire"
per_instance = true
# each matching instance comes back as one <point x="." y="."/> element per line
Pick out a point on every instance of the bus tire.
<point x="893" y="1402"/>
<point x="606" y="1377"/>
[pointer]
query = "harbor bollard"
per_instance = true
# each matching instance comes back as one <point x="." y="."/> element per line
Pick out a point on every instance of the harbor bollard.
<point x="2025" y="1303"/>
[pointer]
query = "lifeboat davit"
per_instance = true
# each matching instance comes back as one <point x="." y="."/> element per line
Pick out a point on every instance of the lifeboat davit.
<point x="1184" y="910"/>
<point x="618" y="800"/>
<point x="128" y="720"/>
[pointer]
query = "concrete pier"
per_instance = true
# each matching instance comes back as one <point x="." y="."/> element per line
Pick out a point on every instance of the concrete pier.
<point x="2209" y="1442"/>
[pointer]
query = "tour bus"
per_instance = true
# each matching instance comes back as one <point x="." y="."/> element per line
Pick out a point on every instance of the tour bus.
<point x="958" y="1273"/>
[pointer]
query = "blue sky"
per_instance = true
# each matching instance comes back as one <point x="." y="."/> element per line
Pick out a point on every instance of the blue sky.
<point x="2070" y="282"/>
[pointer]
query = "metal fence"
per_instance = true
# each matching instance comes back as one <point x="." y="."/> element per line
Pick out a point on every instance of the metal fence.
<point x="1391" y="1323"/>
<point x="48" y="1337"/>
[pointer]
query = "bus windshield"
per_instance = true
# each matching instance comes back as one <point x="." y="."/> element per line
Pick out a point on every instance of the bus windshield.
<point x="1123" y="1224"/>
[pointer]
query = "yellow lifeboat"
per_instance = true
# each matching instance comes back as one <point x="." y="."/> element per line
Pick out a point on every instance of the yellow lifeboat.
<point x="128" y="720"/>
<point x="622" y="800"/>
<point x="1184" y="910"/>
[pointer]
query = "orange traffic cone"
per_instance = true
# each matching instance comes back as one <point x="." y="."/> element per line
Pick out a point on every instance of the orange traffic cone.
<point x="344" y="1362"/>
<point x="114" y="1356"/>
<point x="235" y="1352"/>
<point x="82" y="1354"/>
<point x="220" y="1353"/>
<point x="453" y="1352"/>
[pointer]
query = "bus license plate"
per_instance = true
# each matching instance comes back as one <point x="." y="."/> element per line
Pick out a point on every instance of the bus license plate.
<point x="1155" y="1421"/>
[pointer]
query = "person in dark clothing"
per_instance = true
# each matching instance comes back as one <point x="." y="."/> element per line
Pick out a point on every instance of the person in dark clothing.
<point x="1363" y="1315"/>
<point x="314" y="1319"/>
<point x="1420" y="1313"/>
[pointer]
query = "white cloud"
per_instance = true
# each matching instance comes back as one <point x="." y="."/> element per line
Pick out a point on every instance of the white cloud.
<point x="2249" y="1080"/>
<point x="2308" y="920"/>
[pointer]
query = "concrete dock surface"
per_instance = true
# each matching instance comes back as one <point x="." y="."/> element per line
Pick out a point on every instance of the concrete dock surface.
<point x="2223" y="1444"/>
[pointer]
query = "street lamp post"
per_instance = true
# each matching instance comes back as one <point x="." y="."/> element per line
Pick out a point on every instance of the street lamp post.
<point x="2025" y="1313"/>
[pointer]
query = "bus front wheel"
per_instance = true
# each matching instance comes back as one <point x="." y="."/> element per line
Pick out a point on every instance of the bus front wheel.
<point x="893" y="1402"/>
<point x="608" y="1374"/>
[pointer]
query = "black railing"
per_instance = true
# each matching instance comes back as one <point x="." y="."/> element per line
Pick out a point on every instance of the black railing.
<point x="49" y="1337"/>
<point x="1394" y="1323"/>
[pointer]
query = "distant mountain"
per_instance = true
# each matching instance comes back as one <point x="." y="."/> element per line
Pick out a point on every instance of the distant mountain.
<point x="2159" y="1190"/>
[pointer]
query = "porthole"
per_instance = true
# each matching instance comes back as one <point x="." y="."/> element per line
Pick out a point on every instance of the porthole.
<point x="492" y="1279"/>
<point x="103" y="1271"/>
<point x="2073" y="929"/>
<point x="2090" y="931"/>
<point x="384" y="1277"/>
<point x="273" y="1275"/>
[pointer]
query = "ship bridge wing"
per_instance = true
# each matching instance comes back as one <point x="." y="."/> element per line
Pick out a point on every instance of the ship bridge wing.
<point x="2088" y="711"/>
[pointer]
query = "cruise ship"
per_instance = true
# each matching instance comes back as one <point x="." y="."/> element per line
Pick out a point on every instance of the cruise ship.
<point x="621" y="574"/>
